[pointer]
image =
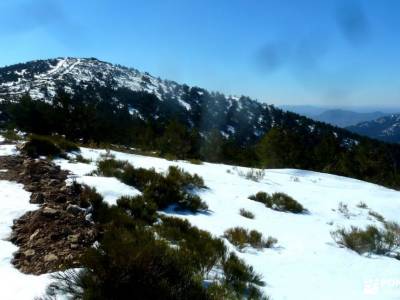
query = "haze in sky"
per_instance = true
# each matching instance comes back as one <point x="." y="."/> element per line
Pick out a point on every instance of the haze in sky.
<point x="282" y="52"/>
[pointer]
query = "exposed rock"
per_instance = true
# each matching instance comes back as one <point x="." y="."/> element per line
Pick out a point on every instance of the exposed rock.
<point x="50" y="257"/>
<point x="37" y="198"/>
<point x="55" y="236"/>
<point x="74" y="209"/>
<point x="50" y="212"/>
<point x="29" y="253"/>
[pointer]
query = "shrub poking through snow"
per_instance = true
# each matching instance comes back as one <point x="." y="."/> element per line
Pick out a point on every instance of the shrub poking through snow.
<point x="362" y="205"/>
<point x="206" y="251"/>
<point x="242" y="238"/>
<point x="169" y="260"/>
<point x="38" y="145"/>
<point x="371" y="240"/>
<point x="376" y="215"/>
<point x="241" y="278"/>
<point x="139" y="209"/>
<point x="174" y="187"/>
<point x="246" y="213"/>
<point x="278" y="201"/>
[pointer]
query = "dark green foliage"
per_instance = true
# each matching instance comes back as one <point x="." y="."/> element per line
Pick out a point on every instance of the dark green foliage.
<point x="205" y="251"/>
<point x="138" y="177"/>
<point x="293" y="142"/>
<point x="110" y="167"/>
<point x="278" y="201"/>
<point x="184" y="179"/>
<point x="261" y="197"/>
<point x="246" y="213"/>
<point x="371" y="240"/>
<point x="41" y="146"/>
<point x="139" y="209"/>
<point x="175" y="188"/>
<point x="241" y="238"/>
<point x="133" y="263"/>
<point x="283" y="202"/>
<point x="241" y="278"/>
<point x="38" y="145"/>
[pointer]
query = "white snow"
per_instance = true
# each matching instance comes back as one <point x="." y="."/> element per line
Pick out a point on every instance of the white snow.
<point x="110" y="188"/>
<point x="14" y="202"/>
<point x="306" y="263"/>
<point x="6" y="150"/>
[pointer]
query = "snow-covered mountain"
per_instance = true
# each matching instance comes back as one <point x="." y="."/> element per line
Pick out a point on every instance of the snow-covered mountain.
<point x="384" y="128"/>
<point x="240" y="117"/>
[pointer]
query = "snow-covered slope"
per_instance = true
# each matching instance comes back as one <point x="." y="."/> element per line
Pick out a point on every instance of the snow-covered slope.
<point x="306" y="263"/>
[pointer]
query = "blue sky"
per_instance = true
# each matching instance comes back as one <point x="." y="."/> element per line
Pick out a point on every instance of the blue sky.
<point x="331" y="52"/>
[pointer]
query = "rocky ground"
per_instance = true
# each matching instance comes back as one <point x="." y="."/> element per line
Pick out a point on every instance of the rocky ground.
<point x="54" y="236"/>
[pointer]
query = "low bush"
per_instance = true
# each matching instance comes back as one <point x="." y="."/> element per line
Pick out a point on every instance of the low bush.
<point x="206" y="251"/>
<point x="376" y="215"/>
<point x="139" y="209"/>
<point x="362" y="205"/>
<point x="242" y="238"/>
<point x="261" y="197"/>
<point x="41" y="146"/>
<point x="110" y="167"/>
<point x="174" y="187"/>
<point x="38" y="145"/>
<point x="246" y="213"/>
<point x="132" y="262"/>
<point x="371" y="240"/>
<point x="241" y="278"/>
<point x="184" y="179"/>
<point x="278" y="201"/>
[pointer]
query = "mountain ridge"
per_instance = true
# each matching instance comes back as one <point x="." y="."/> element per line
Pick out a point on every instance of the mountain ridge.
<point x="386" y="128"/>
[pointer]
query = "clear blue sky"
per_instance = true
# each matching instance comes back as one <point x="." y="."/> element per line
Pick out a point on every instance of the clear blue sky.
<point x="330" y="52"/>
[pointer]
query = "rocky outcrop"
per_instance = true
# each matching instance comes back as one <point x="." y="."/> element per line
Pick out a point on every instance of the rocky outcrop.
<point x="55" y="236"/>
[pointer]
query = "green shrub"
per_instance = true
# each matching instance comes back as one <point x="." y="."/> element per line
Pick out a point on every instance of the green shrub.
<point x="139" y="209"/>
<point x="376" y="215"/>
<point x="206" y="251"/>
<point x="279" y="202"/>
<point x="242" y="238"/>
<point x="132" y="263"/>
<point x="370" y="240"/>
<point x="138" y="177"/>
<point x="110" y="167"/>
<point x="80" y="159"/>
<point x="38" y="145"/>
<point x="246" y="213"/>
<point x="41" y="146"/>
<point x="284" y="202"/>
<point x="184" y="179"/>
<point x="11" y="135"/>
<point x="241" y="278"/>
<point x="261" y="197"/>
<point x="175" y="187"/>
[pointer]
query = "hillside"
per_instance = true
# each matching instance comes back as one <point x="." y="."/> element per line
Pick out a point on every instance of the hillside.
<point x="384" y="128"/>
<point x="306" y="263"/>
<point x="95" y="102"/>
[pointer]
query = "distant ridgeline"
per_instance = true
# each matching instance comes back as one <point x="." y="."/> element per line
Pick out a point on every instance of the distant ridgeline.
<point x="92" y="101"/>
